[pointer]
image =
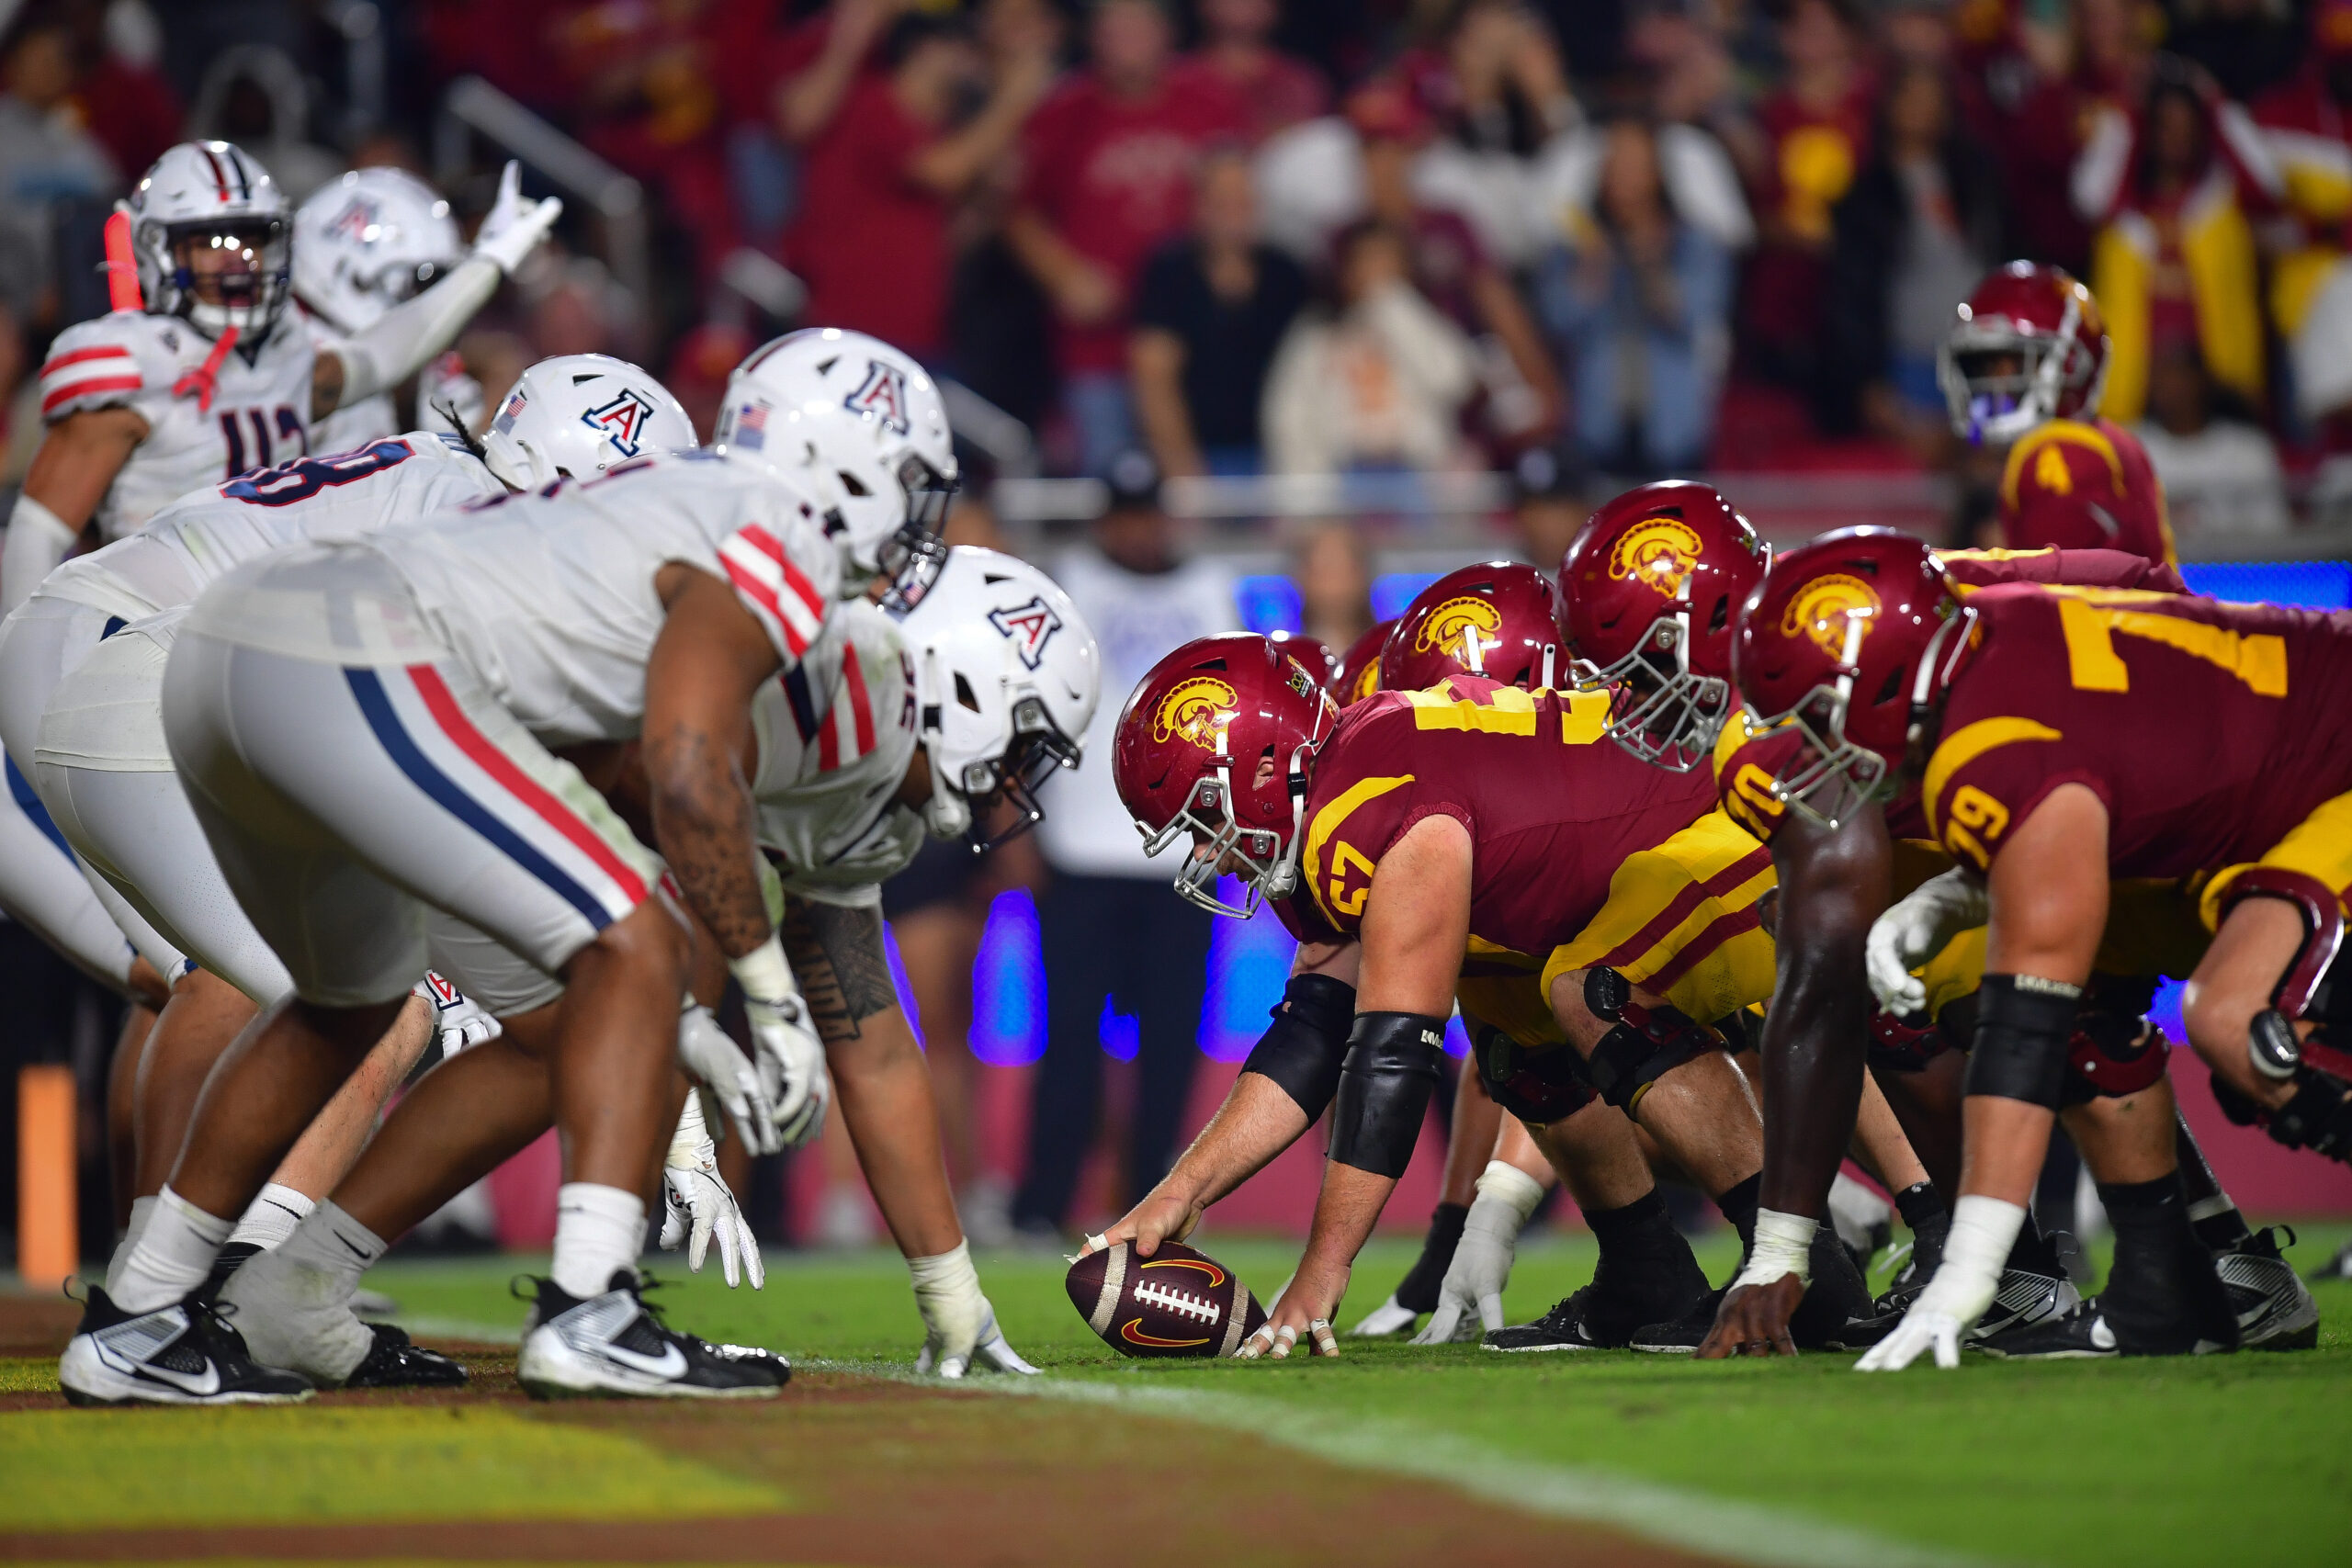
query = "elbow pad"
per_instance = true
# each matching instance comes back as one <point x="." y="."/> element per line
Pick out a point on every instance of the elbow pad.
<point x="1303" y="1048"/>
<point x="2023" y="1026"/>
<point x="1385" y="1087"/>
<point x="404" y="339"/>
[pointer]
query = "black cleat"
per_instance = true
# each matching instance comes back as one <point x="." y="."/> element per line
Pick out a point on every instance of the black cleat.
<point x="2274" y="1311"/>
<point x="2083" y="1334"/>
<point x="393" y="1362"/>
<point x="616" y="1343"/>
<point x="182" y="1354"/>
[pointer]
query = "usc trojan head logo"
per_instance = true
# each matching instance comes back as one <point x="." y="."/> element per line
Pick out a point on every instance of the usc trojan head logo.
<point x="1030" y="628"/>
<point x="1463" y="628"/>
<point x="1659" y="553"/>
<point x="1827" y="609"/>
<point x="621" y="422"/>
<point x="1196" y="709"/>
<point x="883" y="394"/>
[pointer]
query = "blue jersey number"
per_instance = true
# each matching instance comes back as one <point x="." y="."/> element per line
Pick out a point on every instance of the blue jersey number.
<point x="305" y="477"/>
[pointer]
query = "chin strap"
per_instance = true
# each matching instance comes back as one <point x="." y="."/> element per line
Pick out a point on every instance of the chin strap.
<point x="203" y="382"/>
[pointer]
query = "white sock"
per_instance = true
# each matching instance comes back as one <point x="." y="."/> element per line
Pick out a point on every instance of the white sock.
<point x="598" y="1231"/>
<point x="142" y="1210"/>
<point x="173" y="1254"/>
<point x="272" y="1217"/>
<point x="336" y="1246"/>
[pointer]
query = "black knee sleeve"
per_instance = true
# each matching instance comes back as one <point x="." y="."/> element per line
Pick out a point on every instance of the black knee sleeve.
<point x="1385" y="1087"/>
<point x="2023" y="1025"/>
<point x="1646" y="1043"/>
<point x="1302" y="1049"/>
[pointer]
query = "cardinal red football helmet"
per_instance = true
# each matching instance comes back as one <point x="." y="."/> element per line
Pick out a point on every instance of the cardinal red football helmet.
<point x="1311" y="652"/>
<point x="1360" y="666"/>
<point x="2029" y="345"/>
<point x="1212" y="753"/>
<point x="1499" y="619"/>
<point x="1648" y="590"/>
<point x="1850" y="638"/>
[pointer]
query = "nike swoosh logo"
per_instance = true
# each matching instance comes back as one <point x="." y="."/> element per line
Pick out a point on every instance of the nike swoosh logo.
<point x="671" y="1363"/>
<point x="202" y="1387"/>
<point x="357" y="1251"/>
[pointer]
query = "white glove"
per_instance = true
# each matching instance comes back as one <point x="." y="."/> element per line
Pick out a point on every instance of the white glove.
<point x="790" y="1057"/>
<point x="1481" y="1266"/>
<point x="712" y="1060"/>
<point x="1389" y="1318"/>
<point x="457" y="1020"/>
<point x="1983" y="1231"/>
<point x="514" y="226"/>
<point x="698" y="1205"/>
<point x="1914" y="931"/>
<point x="959" y="1326"/>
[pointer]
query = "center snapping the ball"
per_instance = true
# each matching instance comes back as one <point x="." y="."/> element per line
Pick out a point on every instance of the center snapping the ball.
<point x="1178" y="1301"/>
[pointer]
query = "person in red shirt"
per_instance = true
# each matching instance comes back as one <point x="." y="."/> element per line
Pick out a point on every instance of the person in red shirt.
<point x="881" y="182"/>
<point x="1110" y="163"/>
<point x="1276" y="91"/>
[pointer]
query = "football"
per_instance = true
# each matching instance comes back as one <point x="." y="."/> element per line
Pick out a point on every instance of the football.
<point x="1178" y="1301"/>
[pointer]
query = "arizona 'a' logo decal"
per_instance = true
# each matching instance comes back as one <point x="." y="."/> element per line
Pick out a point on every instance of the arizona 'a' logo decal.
<point x="1463" y="628"/>
<point x="883" y="394"/>
<point x="1196" y="710"/>
<point x="1134" y="1334"/>
<point x="1031" y="627"/>
<point x="358" y="221"/>
<point x="1828" y="608"/>
<point x="621" y="422"/>
<point x="1659" y="553"/>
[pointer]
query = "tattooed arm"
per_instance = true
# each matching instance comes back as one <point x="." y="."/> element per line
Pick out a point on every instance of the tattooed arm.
<point x="708" y="662"/>
<point x="844" y="973"/>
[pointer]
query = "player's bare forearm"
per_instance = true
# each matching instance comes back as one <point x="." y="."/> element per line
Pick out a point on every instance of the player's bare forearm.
<point x="1815" y="1039"/>
<point x="78" y="459"/>
<point x="838" y="957"/>
<point x="1345" y="1212"/>
<point x="702" y="825"/>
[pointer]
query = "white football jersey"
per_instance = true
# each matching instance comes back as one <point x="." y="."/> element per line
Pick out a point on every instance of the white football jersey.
<point x="548" y="596"/>
<point x="189" y="544"/>
<point x="835" y="736"/>
<point x="259" y="412"/>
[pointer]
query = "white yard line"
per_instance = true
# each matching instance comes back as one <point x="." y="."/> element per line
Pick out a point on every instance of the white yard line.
<point x="1671" y="1515"/>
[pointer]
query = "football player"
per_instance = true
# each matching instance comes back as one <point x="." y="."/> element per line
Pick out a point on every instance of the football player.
<point x="83" y="665"/>
<point x="363" y="244"/>
<point x="2059" y="738"/>
<point x="1650" y="590"/>
<point x="2022" y="369"/>
<point x="1472" y="831"/>
<point x="848" y="769"/>
<point x="364" y="729"/>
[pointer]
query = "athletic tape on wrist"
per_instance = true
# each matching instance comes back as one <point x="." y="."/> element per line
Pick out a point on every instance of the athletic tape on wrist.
<point x="1783" y="1246"/>
<point x="1304" y="1047"/>
<point x="1385" y="1087"/>
<point x="1503" y="1182"/>
<point x="2023" y="1025"/>
<point x="764" y="973"/>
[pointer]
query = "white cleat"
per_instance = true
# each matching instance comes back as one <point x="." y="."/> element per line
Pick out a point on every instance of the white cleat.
<point x="181" y="1354"/>
<point x="615" y="1344"/>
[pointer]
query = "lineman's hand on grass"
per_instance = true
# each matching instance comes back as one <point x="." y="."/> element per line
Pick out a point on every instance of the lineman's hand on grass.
<point x="1302" y="1314"/>
<point x="1922" y="1327"/>
<point x="697" y="1206"/>
<point x="1163" y="1215"/>
<point x="1754" y="1321"/>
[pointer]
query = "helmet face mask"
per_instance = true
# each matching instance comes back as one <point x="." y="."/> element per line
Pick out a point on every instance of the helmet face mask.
<point x="211" y="237"/>
<point x="1662" y="712"/>
<point x="1264" y="861"/>
<point x="1039" y="749"/>
<point x="2028" y="347"/>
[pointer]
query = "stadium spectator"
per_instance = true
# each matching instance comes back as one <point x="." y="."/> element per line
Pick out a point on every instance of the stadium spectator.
<point x="254" y="94"/>
<point x="1210" y="312"/>
<point x="1236" y="57"/>
<point x="815" y="62"/>
<point x="1922" y="223"/>
<point x="1109" y="175"/>
<point x="1114" y="940"/>
<point x="1375" y="377"/>
<point x="125" y="100"/>
<point x="881" y="182"/>
<point x="2173" y="265"/>
<point x="1334" y="585"/>
<point x="1815" y="135"/>
<point x="46" y="158"/>
<point x="1640" y="299"/>
<point x="2247" y="46"/>
<point x="1451" y="268"/>
<point x="2105" y="67"/>
<point x="2222" y="483"/>
<point x="2302" y="123"/>
<point x="1547" y="504"/>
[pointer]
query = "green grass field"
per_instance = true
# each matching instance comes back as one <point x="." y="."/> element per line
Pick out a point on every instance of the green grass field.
<point x="2242" y="1459"/>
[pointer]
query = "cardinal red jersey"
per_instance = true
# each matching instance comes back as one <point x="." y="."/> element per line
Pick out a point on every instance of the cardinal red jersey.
<point x="2084" y="484"/>
<point x="2213" y="732"/>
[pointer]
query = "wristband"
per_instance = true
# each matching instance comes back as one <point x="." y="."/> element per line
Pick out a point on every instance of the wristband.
<point x="1503" y="1182"/>
<point x="764" y="973"/>
<point x="1783" y="1246"/>
<point x="690" y="1143"/>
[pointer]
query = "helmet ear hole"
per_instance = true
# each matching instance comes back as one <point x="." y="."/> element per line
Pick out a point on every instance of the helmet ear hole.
<point x="963" y="693"/>
<point x="853" y="484"/>
<point x="1722" y="616"/>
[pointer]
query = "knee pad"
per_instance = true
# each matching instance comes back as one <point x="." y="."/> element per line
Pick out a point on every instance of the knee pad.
<point x="1385" y="1087"/>
<point x="2024" y="1026"/>
<point x="1646" y="1043"/>
<point x="1540" y="1087"/>
<point x="1303" y="1048"/>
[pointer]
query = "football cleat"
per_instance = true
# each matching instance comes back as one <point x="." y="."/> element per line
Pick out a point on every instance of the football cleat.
<point x="182" y="1354"/>
<point x="393" y="1362"/>
<point x="1625" y="1294"/>
<point x="232" y="1256"/>
<point x="1579" y="1323"/>
<point x="2274" y="1311"/>
<point x="2081" y="1335"/>
<point x="2024" y="1298"/>
<point x="616" y="1343"/>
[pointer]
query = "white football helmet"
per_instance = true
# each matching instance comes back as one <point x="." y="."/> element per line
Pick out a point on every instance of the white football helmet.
<point x="1007" y="677"/>
<point x="210" y="233"/>
<point x="866" y="422"/>
<point x="367" y="242"/>
<point x="577" y="415"/>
